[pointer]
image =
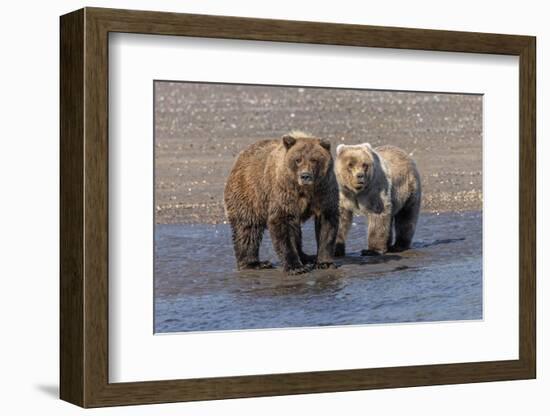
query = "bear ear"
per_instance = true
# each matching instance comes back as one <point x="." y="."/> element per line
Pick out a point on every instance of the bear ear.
<point x="288" y="141"/>
<point x="325" y="143"/>
<point x="340" y="148"/>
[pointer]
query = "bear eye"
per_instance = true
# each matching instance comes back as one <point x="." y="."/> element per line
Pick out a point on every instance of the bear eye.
<point x="365" y="166"/>
<point x="298" y="160"/>
<point x="350" y="165"/>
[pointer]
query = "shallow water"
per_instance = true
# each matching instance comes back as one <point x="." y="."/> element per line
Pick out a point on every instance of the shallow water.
<point x="198" y="289"/>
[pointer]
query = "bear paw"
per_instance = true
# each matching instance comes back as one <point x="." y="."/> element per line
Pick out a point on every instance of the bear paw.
<point x="325" y="265"/>
<point x="397" y="249"/>
<point x="265" y="265"/>
<point x="257" y="265"/>
<point x="299" y="270"/>
<point x="340" y="250"/>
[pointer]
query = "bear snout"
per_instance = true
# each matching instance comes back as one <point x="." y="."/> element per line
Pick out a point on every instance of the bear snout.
<point x="305" y="178"/>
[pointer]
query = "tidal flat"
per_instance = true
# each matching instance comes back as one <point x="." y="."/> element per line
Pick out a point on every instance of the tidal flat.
<point x="439" y="279"/>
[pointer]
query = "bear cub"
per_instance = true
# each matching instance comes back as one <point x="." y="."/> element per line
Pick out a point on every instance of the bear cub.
<point x="279" y="184"/>
<point x="382" y="184"/>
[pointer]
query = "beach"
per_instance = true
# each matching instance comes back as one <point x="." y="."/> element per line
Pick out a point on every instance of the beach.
<point x="201" y="128"/>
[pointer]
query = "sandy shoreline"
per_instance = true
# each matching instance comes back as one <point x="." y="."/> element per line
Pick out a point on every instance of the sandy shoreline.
<point x="200" y="128"/>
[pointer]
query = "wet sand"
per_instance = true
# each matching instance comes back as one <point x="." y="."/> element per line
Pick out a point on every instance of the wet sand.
<point x="439" y="279"/>
<point x="200" y="128"/>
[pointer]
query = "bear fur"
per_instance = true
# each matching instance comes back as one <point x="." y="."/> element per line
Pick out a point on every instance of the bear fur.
<point x="382" y="184"/>
<point x="279" y="184"/>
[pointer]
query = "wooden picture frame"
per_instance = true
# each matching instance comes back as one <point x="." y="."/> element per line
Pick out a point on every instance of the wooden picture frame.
<point x="84" y="207"/>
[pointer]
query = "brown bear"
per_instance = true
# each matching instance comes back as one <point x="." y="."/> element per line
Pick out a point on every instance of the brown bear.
<point x="279" y="184"/>
<point x="382" y="184"/>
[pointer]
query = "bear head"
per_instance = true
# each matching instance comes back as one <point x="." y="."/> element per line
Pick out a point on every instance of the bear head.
<point x="307" y="158"/>
<point x="356" y="166"/>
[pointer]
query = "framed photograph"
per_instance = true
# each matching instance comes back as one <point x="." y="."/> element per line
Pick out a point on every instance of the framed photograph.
<point x="255" y="207"/>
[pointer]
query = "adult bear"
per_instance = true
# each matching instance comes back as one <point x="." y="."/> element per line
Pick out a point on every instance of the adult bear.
<point x="382" y="184"/>
<point x="279" y="184"/>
